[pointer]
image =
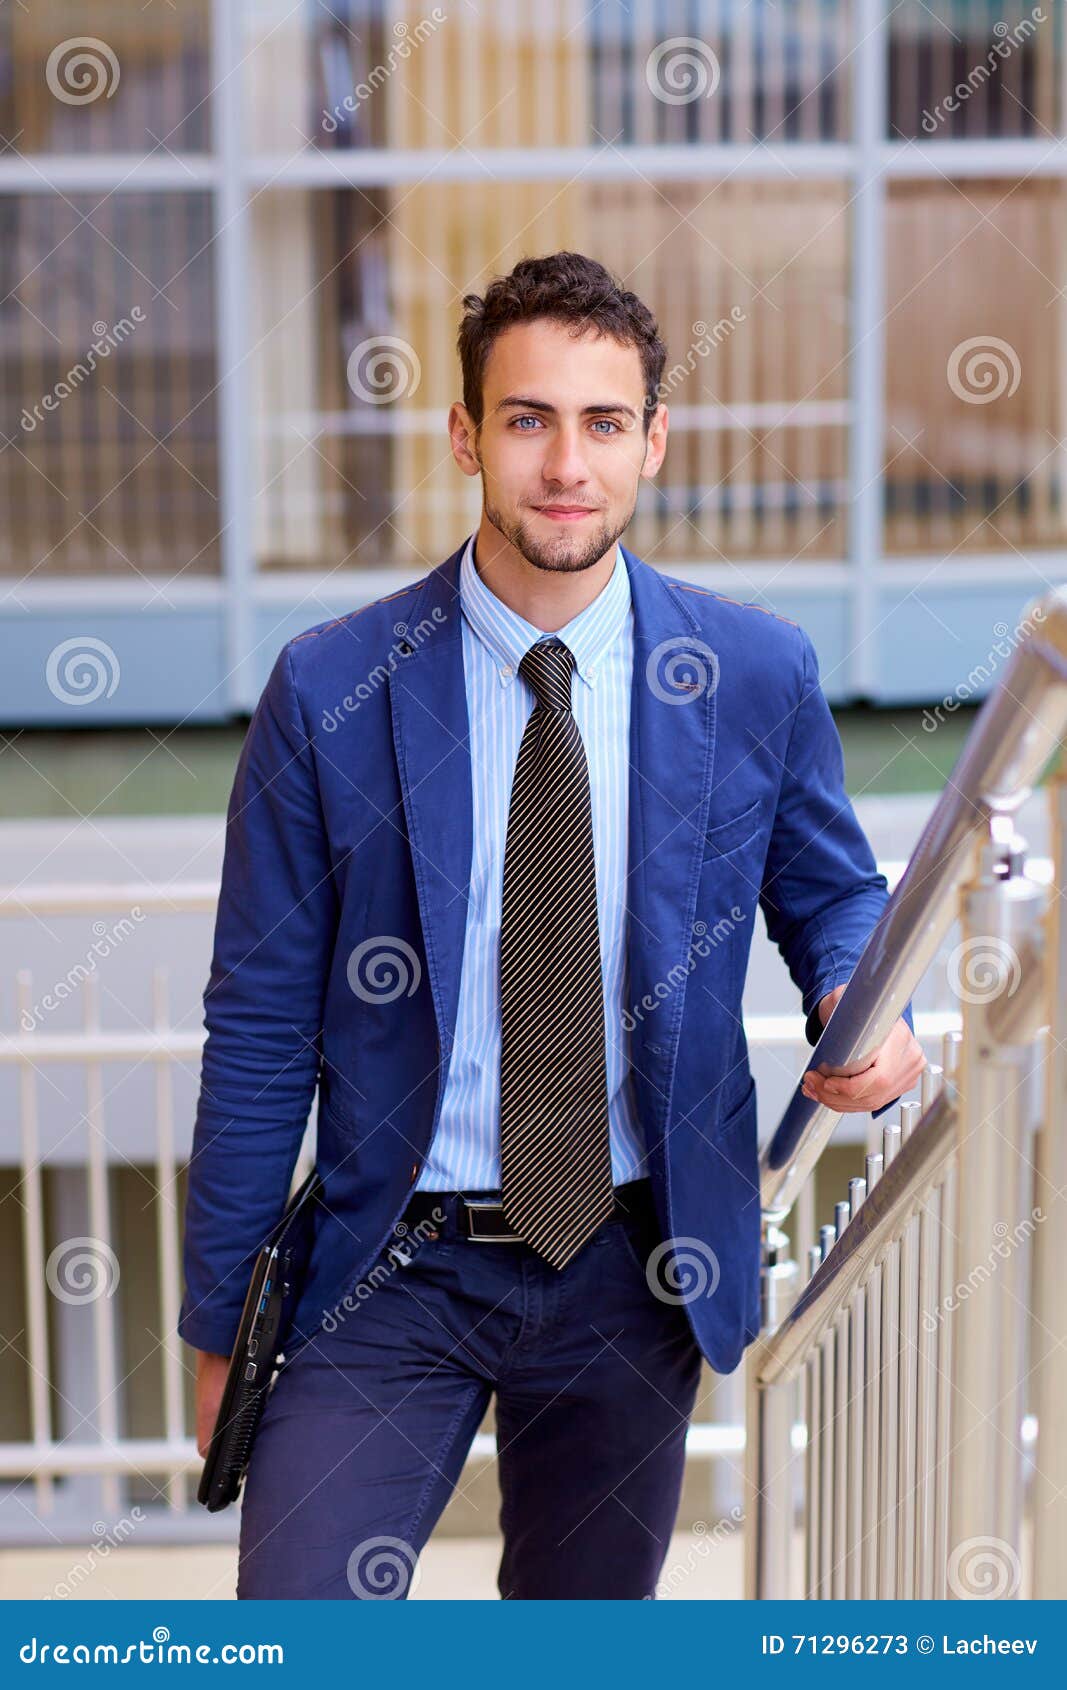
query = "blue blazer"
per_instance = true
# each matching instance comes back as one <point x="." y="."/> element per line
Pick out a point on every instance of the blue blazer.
<point x="340" y="927"/>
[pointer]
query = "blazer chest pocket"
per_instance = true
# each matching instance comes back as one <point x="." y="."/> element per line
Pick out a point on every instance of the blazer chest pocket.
<point x="736" y="830"/>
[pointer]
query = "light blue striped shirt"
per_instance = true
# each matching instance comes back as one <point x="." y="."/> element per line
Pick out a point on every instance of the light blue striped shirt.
<point x="465" y="1154"/>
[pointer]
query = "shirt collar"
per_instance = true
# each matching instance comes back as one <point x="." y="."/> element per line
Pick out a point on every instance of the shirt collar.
<point x="508" y="636"/>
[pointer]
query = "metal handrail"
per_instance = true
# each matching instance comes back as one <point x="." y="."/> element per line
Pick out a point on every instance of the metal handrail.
<point x="1019" y="726"/>
<point x="906" y="1339"/>
<point x="881" y="1217"/>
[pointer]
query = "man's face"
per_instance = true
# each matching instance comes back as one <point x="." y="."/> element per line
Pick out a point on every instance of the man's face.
<point x="561" y="448"/>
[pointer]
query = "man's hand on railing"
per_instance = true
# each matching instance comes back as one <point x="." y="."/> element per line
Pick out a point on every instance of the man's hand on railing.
<point x="897" y="1064"/>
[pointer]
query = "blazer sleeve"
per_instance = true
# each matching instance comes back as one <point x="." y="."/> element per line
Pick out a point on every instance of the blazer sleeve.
<point x="275" y="929"/>
<point x="822" y="892"/>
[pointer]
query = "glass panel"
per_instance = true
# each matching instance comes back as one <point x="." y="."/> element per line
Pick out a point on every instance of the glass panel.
<point x="107" y="362"/>
<point x="974" y="341"/>
<point x="112" y="76"/>
<point x="351" y="463"/>
<point x="563" y="73"/>
<point x="969" y="69"/>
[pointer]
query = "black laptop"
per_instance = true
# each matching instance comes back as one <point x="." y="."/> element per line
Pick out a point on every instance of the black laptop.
<point x="273" y="1291"/>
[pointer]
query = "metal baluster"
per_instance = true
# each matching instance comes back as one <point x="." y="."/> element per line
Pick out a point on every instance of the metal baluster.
<point x="812" y="1455"/>
<point x="887" y="1471"/>
<point x="826" y="1437"/>
<point x="950" y="1061"/>
<point x="857" y="1190"/>
<point x="842" y="1391"/>
<point x="872" y="1378"/>
<point x="906" y="1386"/>
<point x="1002" y="911"/>
<point x="1050" y="1327"/>
<point x="926" y="1391"/>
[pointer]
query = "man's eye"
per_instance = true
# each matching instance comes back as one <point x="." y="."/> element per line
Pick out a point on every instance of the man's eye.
<point x="599" y="423"/>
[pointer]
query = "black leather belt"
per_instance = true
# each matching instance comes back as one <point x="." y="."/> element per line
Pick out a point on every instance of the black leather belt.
<point x="479" y="1215"/>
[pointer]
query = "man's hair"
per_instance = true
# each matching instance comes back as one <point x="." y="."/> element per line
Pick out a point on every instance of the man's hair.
<point x="569" y="288"/>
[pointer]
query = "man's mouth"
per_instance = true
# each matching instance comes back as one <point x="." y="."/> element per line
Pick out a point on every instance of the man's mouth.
<point x="565" y="513"/>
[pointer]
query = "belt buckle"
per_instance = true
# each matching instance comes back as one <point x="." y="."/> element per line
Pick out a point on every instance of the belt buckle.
<point x="487" y="1237"/>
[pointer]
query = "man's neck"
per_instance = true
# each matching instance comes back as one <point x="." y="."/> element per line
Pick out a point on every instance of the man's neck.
<point x="546" y="598"/>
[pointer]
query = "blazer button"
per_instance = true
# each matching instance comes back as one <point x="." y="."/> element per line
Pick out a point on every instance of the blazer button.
<point x="657" y="1050"/>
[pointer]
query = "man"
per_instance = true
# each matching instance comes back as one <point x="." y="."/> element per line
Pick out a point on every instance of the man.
<point x="493" y="856"/>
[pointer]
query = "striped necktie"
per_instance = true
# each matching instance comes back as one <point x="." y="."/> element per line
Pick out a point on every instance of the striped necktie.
<point x="555" y="1150"/>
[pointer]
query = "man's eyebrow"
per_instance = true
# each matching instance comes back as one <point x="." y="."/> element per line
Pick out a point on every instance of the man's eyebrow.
<point x="518" y="401"/>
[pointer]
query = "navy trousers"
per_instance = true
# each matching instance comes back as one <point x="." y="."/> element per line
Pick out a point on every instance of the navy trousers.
<point x="365" y="1432"/>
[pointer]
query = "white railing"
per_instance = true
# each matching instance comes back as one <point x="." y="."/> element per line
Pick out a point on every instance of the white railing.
<point x="932" y="1318"/>
<point x="69" y="1344"/>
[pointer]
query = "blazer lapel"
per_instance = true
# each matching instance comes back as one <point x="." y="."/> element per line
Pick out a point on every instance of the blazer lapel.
<point x="672" y="754"/>
<point x="431" y="736"/>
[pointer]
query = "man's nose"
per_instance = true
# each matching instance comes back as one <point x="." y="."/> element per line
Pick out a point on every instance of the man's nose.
<point x="564" y="462"/>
